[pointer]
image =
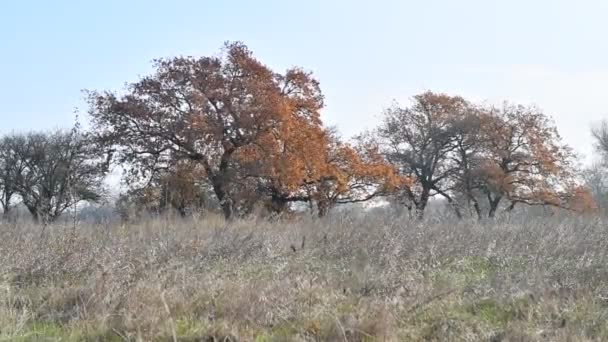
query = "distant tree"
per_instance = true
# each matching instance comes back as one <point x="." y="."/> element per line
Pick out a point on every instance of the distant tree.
<point x="595" y="178"/>
<point x="524" y="160"/>
<point x="11" y="167"/>
<point x="482" y="156"/>
<point x="54" y="171"/>
<point x="600" y="135"/>
<point x="420" y="141"/>
<point x="214" y="111"/>
<point x="596" y="175"/>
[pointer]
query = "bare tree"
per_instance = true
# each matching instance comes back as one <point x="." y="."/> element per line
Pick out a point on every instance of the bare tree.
<point x="10" y="168"/>
<point x="600" y="135"/>
<point x="596" y="176"/>
<point x="53" y="171"/>
<point x="420" y="141"/>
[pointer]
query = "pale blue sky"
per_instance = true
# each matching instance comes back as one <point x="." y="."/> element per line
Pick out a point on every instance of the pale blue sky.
<point x="365" y="53"/>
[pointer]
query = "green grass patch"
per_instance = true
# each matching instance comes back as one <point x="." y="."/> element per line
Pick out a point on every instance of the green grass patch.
<point x="48" y="331"/>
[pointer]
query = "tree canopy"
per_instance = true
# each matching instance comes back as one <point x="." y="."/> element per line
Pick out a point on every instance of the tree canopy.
<point x="248" y="127"/>
<point x="229" y="132"/>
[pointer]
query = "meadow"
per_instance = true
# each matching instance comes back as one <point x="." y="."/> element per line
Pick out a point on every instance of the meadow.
<point x="365" y="277"/>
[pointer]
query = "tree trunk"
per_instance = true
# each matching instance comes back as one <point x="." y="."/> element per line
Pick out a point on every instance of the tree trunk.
<point x="6" y="207"/>
<point x="182" y="209"/>
<point x="493" y="205"/>
<point x="511" y="206"/>
<point x="33" y="208"/>
<point x="34" y="214"/>
<point x="477" y="209"/>
<point x="421" y="205"/>
<point x="39" y="216"/>
<point x="6" y="212"/>
<point x="323" y="208"/>
<point x="219" y="180"/>
<point x="223" y="198"/>
<point x="472" y="198"/>
<point x="278" y="204"/>
<point x="457" y="211"/>
<point x="227" y="209"/>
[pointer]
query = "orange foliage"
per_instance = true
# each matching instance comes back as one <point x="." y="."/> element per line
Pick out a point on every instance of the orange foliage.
<point x="245" y="126"/>
<point x="580" y="199"/>
<point x="252" y="133"/>
<point x="356" y="174"/>
<point x="524" y="160"/>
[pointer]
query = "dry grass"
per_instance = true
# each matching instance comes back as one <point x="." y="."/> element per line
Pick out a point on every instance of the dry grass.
<point x="349" y="279"/>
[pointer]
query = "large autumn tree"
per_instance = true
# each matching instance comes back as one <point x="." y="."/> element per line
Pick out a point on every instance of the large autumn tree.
<point x="218" y="111"/>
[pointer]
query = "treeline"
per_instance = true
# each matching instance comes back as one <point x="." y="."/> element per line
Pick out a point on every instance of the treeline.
<point x="227" y="133"/>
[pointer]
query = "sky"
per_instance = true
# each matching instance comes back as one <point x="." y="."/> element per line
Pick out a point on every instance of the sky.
<point x="366" y="54"/>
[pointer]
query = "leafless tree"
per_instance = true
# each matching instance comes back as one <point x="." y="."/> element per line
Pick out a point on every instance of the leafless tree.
<point x="10" y="168"/>
<point x="600" y="135"/>
<point x="420" y="141"/>
<point x="52" y="172"/>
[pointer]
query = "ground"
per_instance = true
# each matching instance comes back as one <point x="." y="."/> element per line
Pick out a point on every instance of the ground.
<point x="345" y="278"/>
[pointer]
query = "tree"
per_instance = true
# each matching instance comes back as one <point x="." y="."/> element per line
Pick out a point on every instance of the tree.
<point x="10" y="168"/>
<point x="420" y="141"/>
<point x="524" y="160"/>
<point x="54" y="171"/>
<point x="595" y="179"/>
<point x="596" y="176"/>
<point x="600" y="135"/>
<point x="211" y="110"/>
<point x="460" y="151"/>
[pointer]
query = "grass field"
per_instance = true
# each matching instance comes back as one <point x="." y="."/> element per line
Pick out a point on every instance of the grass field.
<point x="371" y="278"/>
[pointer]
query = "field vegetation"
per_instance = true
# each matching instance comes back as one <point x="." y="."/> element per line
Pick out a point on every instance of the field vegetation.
<point x="357" y="277"/>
